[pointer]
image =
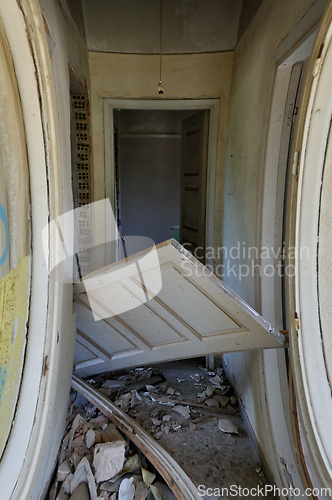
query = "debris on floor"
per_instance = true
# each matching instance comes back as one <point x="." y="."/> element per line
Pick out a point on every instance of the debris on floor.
<point x="190" y="410"/>
<point x="97" y="462"/>
<point x="146" y="395"/>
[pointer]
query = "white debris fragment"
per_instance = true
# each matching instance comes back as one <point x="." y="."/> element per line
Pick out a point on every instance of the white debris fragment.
<point x="155" y="412"/>
<point x="81" y="492"/>
<point x="216" y="381"/>
<point x="212" y="402"/>
<point x="127" y="489"/>
<point x="151" y="388"/>
<point x="228" y="426"/>
<point x="209" y="390"/>
<point x="108" y="460"/>
<point x="223" y="400"/>
<point x="170" y="391"/>
<point x="83" y="473"/>
<point x="176" y="427"/>
<point x="180" y="380"/>
<point x="114" y="384"/>
<point x="90" y="438"/>
<point x="66" y="485"/>
<point x="182" y="410"/>
<point x="148" y="477"/>
<point x="64" y="469"/>
<point x="166" y="418"/>
<point x="137" y="396"/>
<point x="196" y="377"/>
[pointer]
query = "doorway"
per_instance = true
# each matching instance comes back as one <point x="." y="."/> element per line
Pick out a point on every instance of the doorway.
<point x="148" y="172"/>
<point x="143" y="144"/>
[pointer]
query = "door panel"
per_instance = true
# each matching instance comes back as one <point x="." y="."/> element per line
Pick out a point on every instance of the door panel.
<point x="195" y="132"/>
<point x="138" y="312"/>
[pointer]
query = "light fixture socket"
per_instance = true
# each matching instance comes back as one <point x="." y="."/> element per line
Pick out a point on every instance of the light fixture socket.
<point x="160" y="87"/>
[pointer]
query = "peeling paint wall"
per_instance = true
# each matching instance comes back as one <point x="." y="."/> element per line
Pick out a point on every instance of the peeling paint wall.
<point x="14" y="241"/>
<point x="35" y="156"/>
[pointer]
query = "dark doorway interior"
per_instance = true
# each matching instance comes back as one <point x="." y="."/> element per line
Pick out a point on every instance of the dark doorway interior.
<point x="149" y="171"/>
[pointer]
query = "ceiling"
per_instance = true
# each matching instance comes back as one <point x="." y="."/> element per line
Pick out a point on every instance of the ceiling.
<point x="189" y="26"/>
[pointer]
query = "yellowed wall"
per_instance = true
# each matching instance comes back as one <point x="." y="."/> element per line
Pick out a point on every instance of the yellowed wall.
<point x="130" y="76"/>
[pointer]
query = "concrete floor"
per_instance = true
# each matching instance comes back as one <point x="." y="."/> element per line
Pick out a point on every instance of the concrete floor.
<point x="210" y="457"/>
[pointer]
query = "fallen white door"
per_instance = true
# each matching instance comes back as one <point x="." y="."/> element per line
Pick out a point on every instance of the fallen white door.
<point x="161" y="305"/>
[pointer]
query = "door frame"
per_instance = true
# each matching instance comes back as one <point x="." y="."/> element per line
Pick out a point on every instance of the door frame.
<point x="213" y="105"/>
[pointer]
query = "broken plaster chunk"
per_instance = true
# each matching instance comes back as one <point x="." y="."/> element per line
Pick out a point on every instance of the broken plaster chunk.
<point x="209" y="390"/>
<point x="113" y="434"/>
<point x="66" y="485"/>
<point x="182" y="410"/>
<point x="228" y="426"/>
<point x="166" y="418"/>
<point x="192" y="426"/>
<point x="141" y="491"/>
<point x="151" y="388"/>
<point x="155" y="421"/>
<point x="216" y="381"/>
<point x="170" y="391"/>
<point x="81" y="492"/>
<point x="212" y="402"/>
<point x="155" y="412"/>
<point x="114" y="384"/>
<point x="108" y="460"/>
<point x="132" y="464"/>
<point x="64" y="469"/>
<point x="127" y="489"/>
<point x="82" y="474"/>
<point x="176" y="427"/>
<point x="90" y="438"/>
<point x="223" y="400"/>
<point x="148" y="477"/>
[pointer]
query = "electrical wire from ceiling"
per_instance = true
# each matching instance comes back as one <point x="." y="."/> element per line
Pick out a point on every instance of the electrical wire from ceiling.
<point x="160" y="84"/>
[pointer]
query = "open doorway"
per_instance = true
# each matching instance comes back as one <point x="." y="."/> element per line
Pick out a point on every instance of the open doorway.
<point x="160" y="161"/>
<point x="160" y="174"/>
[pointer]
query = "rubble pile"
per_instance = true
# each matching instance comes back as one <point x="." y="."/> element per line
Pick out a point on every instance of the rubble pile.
<point x="145" y="395"/>
<point x="97" y="462"/>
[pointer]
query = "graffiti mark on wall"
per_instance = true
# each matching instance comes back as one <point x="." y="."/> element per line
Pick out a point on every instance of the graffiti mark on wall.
<point x="3" y="217"/>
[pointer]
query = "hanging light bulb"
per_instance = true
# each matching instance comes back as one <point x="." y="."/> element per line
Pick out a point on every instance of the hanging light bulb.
<point x="160" y="84"/>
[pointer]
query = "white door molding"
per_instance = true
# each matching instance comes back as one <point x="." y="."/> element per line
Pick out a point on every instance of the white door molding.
<point x="169" y="104"/>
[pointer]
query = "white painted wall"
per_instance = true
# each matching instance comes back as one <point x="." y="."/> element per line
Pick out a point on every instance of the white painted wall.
<point x="260" y="378"/>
